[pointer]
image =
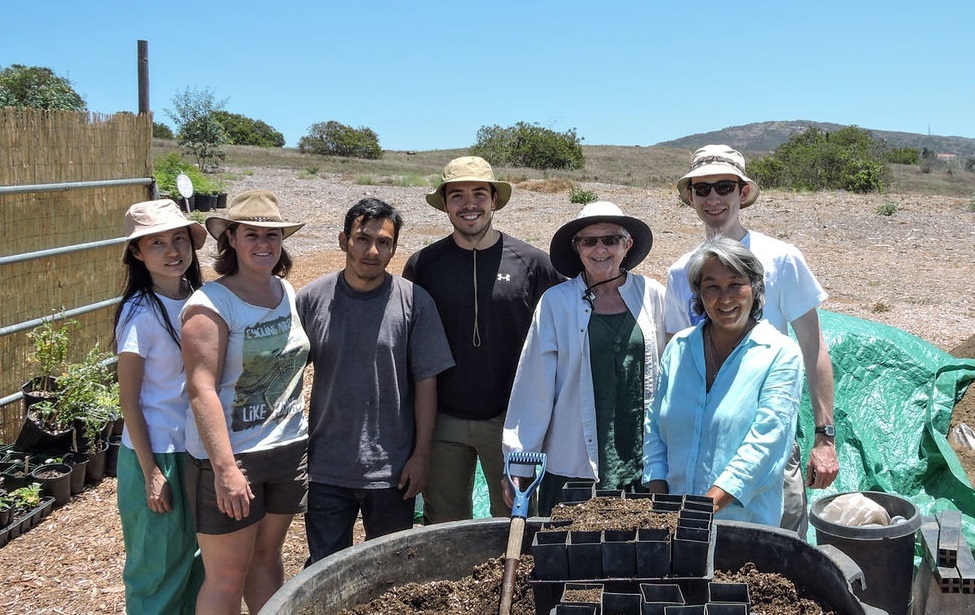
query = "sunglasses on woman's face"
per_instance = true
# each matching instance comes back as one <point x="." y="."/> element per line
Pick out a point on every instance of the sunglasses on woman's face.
<point x="723" y="187"/>
<point x="590" y="241"/>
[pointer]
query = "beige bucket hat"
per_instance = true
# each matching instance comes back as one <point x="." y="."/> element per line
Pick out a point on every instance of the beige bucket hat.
<point x="566" y="260"/>
<point x="717" y="160"/>
<point x="151" y="217"/>
<point x="469" y="169"/>
<point x="256" y="208"/>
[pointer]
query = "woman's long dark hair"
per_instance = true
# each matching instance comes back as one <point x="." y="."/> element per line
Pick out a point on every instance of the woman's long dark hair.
<point x="138" y="287"/>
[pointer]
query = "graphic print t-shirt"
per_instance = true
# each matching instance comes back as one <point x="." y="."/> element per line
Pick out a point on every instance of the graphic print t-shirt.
<point x="260" y="387"/>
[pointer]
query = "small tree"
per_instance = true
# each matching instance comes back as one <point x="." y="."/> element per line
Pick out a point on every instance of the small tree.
<point x="242" y="130"/>
<point x="198" y="129"/>
<point x="334" y="139"/>
<point x="37" y="87"/>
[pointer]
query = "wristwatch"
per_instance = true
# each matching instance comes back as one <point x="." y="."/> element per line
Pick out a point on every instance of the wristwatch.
<point x="827" y="430"/>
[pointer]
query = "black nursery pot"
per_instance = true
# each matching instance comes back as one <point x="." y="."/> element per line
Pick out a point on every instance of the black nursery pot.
<point x="55" y="481"/>
<point x="584" y="552"/>
<point x="549" y="553"/>
<point x="619" y="554"/>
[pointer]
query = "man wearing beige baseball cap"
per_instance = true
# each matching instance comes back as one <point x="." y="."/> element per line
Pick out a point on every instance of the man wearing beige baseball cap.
<point x="718" y="189"/>
<point x="485" y="284"/>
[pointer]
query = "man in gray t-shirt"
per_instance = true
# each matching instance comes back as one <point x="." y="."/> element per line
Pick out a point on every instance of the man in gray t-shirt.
<point x="377" y="345"/>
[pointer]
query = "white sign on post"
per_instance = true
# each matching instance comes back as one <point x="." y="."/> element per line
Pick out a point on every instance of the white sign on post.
<point x="185" y="186"/>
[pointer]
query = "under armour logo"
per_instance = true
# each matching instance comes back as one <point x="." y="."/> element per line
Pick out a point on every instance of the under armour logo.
<point x="504" y="277"/>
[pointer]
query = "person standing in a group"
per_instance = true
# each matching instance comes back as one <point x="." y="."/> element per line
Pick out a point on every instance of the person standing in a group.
<point x="486" y="285"/>
<point x="718" y="189"/>
<point x="377" y="345"/>
<point x="245" y="354"/>
<point x="162" y="270"/>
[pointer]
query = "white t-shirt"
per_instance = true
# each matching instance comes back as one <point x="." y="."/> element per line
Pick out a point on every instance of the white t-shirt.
<point x="163" y="396"/>
<point x="791" y="289"/>
<point x="260" y="387"/>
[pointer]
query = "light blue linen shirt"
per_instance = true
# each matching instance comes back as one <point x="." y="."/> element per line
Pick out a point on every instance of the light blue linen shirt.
<point x="552" y="408"/>
<point x="739" y="435"/>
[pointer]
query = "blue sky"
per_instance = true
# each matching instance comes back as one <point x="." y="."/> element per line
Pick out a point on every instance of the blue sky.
<point x="426" y="75"/>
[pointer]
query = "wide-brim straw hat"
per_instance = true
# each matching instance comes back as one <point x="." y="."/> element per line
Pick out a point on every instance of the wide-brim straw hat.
<point x="566" y="260"/>
<point x="254" y="208"/>
<point x="469" y="169"/>
<point x="717" y="160"/>
<point x="151" y="217"/>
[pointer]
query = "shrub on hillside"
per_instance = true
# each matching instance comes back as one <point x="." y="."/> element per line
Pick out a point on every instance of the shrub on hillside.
<point x="848" y="159"/>
<point x="904" y="155"/>
<point x="334" y="139"/>
<point x="529" y="145"/>
<point x="242" y="130"/>
<point x="162" y="131"/>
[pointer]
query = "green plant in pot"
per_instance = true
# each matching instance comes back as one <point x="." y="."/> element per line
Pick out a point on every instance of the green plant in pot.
<point x="49" y="357"/>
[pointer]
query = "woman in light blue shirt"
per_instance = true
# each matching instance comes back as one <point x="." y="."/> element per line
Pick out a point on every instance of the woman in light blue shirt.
<point x="724" y="416"/>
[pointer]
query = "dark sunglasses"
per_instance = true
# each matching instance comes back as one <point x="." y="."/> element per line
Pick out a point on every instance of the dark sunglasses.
<point x="590" y="241"/>
<point x="723" y="187"/>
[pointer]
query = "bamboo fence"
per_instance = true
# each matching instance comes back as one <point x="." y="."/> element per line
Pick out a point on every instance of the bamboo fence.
<point x="45" y="147"/>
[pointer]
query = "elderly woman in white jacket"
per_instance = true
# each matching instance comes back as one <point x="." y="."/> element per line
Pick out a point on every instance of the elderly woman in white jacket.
<point x="588" y="370"/>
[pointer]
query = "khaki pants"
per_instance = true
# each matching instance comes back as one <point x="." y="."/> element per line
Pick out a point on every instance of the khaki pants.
<point x="795" y="513"/>
<point x="457" y="446"/>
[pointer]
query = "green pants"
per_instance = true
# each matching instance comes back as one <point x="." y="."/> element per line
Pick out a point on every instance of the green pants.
<point x="163" y="571"/>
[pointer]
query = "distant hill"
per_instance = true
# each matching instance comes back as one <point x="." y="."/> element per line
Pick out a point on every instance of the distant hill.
<point x="763" y="137"/>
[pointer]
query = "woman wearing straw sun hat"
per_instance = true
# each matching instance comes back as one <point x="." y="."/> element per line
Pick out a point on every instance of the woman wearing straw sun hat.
<point x="245" y="354"/>
<point x="588" y="369"/>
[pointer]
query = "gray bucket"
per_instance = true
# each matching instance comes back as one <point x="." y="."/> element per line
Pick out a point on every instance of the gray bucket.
<point x="884" y="554"/>
<point x="449" y="551"/>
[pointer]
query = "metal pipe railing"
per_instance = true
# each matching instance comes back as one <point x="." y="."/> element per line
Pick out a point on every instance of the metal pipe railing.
<point x="101" y="183"/>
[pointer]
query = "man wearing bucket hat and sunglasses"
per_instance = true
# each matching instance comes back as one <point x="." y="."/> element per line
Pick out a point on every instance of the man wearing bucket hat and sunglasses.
<point x="717" y="188"/>
<point x="485" y="284"/>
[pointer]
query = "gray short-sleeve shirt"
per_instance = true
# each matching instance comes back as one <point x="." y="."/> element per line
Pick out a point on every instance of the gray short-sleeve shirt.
<point x="368" y="349"/>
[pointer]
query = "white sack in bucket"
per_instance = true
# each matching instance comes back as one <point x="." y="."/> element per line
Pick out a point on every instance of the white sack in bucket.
<point x="857" y="510"/>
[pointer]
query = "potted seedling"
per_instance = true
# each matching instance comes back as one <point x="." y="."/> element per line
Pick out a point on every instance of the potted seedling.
<point x="49" y="357"/>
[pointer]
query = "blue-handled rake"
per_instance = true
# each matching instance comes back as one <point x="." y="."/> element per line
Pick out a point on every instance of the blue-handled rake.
<point x="519" y="512"/>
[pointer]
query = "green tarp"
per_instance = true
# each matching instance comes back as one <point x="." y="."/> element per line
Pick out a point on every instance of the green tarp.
<point x="894" y="394"/>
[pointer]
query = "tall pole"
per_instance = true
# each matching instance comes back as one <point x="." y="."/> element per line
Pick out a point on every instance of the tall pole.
<point x="143" y="76"/>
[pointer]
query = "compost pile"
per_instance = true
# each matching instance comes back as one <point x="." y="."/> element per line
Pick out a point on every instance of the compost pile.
<point x="770" y="593"/>
<point x="476" y="594"/>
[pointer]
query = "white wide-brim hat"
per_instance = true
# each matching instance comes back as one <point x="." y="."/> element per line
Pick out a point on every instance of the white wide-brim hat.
<point x="716" y="160"/>
<point x="566" y="260"/>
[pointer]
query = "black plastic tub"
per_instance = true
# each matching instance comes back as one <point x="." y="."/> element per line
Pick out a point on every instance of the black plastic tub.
<point x="451" y="550"/>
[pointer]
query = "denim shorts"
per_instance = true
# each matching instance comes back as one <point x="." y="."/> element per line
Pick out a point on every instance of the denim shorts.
<point x="278" y="477"/>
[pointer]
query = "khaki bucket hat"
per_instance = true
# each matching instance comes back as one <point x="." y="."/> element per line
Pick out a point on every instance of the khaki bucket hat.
<point x="717" y="160"/>
<point x="469" y="169"/>
<point x="256" y="208"/>
<point x="151" y="217"/>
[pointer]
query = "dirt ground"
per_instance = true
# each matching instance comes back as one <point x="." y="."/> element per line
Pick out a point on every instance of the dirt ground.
<point x="911" y="270"/>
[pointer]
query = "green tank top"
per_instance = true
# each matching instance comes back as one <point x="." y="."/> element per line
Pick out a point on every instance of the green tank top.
<point x="616" y="352"/>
